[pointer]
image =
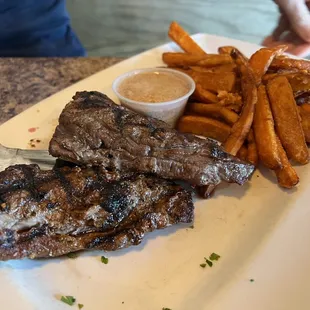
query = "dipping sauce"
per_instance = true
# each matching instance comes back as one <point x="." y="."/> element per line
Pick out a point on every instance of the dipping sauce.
<point x="154" y="87"/>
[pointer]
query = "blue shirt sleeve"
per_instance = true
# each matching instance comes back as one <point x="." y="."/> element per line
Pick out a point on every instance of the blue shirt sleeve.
<point x="37" y="28"/>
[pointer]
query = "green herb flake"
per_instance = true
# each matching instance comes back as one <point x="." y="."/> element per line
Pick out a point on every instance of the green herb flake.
<point x="80" y="306"/>
<point x="104" y="260"/>
<point x="69" y="300"/>
<point x="192" y="226"/>
<point x="251" y="280"/>
<point x="166" y="309"/>
<point x="203" y="265"/>
<point x="72" y="255"/>
<point x="209" y="262"/>
<point x="214" y="256"/>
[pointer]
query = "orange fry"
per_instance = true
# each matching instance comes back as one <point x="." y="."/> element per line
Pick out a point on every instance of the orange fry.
<point x="204" y="95"/>
<point x="185" y="60"/>
<point x="182" y="38"/>
<point x="264" y="131"/>
<point x="214" y="111"/>
<point x="287" y="176"/>
<point x="222" y="68"/>
<point x="242" y="127"/>
<point x="215" y="60"/>
<point x="243" y="153"/>
<point x="304" y="111"/>
<point x="252" y="156"/>
<point x="204" y="126"/>
<point x="215" y="82"/>
<point x="226" y="50"/>
<point x="300" y="83"/>
<point x="261" y="60"/>
<point x="182" y="59"/>
<point x="231" y="101"/>
<point x="287" y="119"/>
<point x="269" y="76"/>
<point x="290" y="63"/>
<point x="238" y="56"/>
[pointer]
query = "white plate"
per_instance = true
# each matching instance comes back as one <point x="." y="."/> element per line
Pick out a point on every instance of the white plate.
<point x="260" y="231"/>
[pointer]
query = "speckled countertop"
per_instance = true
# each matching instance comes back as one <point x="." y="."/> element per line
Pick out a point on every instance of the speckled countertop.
<point x="26" y="81"/>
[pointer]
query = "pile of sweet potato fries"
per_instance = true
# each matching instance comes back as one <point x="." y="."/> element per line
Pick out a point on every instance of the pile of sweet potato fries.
<point x="259" y="108"/>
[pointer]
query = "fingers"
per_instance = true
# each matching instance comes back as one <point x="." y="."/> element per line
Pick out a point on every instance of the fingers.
<point x="283" y="26"/>
<point x="296" y="46"/>
<point x="297" y="12"/>
<point x="300" y="51"/>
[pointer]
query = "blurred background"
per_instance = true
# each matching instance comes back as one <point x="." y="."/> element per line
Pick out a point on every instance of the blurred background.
<point x="127" y="27"/>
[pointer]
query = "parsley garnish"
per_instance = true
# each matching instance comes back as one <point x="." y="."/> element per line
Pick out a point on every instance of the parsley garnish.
<point x="72" y="255"/>
<point x="80" y="306"/>
<point x="214" y="256"/>
<point x="203" y="265"/>
<point x="69" y="300"/>
<point x="209" y="262"/>
<point x="104" y="260"/>
<point x="251" y="280"/>
<point x="166" y="309"/>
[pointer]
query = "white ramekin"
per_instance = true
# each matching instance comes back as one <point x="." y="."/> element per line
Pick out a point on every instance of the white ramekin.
<point x="168" y="111"/>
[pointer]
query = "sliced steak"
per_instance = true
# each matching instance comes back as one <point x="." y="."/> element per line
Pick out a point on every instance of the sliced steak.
<point x="93" y="130"/>
<point x="51" y="213"/>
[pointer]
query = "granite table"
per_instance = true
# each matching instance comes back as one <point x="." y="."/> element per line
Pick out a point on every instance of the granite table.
<point x="26" y="81"/>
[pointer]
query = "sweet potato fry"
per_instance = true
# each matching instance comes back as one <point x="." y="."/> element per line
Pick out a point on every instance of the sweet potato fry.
<point x="264" y="131"/>
<point x="306" y="107"/>
<point x="290" y="63"/>
<point x="287" y="176"/>
<point x="184" y="60"/>
<point x="204" y="95"/>
<point x="222" y="68"/>
<point x="243" y="153"/>
<point x="214" y="111"/>
<point x="269" y="76"/>
<point x="287" y="120"/>
<point x="212" y="60"/>
<point x="215" y="82"/>
<point x="242" y="127"/>
<point x="231" y="101"/>
<point x="204" y="126"/>
<point x="238" y="56"/>
<point x="252" y="155"/>
<point x="181" y="59"/>
<point x="182" y="38"/>
<point x="261" y="60"/>
<point x="304" y="111"/>
<point x="226" y="50"/>
<point x="300" y="83"/>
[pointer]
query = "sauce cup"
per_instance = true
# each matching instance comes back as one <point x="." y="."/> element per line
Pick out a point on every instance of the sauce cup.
<point x="167" y="111"/>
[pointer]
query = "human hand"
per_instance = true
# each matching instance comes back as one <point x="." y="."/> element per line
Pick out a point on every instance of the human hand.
<point x="293" y="28"/>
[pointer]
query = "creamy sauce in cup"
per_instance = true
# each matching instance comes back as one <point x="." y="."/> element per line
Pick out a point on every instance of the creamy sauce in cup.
<point x="154" y="87"/>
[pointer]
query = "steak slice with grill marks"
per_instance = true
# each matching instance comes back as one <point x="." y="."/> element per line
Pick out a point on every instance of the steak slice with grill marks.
<point x="93" y="130"/>
<point x="51" y="213"/>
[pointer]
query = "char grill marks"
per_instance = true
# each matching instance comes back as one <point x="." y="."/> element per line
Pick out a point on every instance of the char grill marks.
<point x="93" y="130"/>
<point x="51" y="213"/>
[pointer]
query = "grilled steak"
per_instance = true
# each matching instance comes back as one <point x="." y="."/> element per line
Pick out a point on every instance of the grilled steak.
<point x="51" y="213"/>
<point x="93" y="130"/>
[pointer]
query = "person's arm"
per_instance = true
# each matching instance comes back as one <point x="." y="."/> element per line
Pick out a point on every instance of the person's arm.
<point x="293" y="27"/>
<point x="37" y="28"/>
